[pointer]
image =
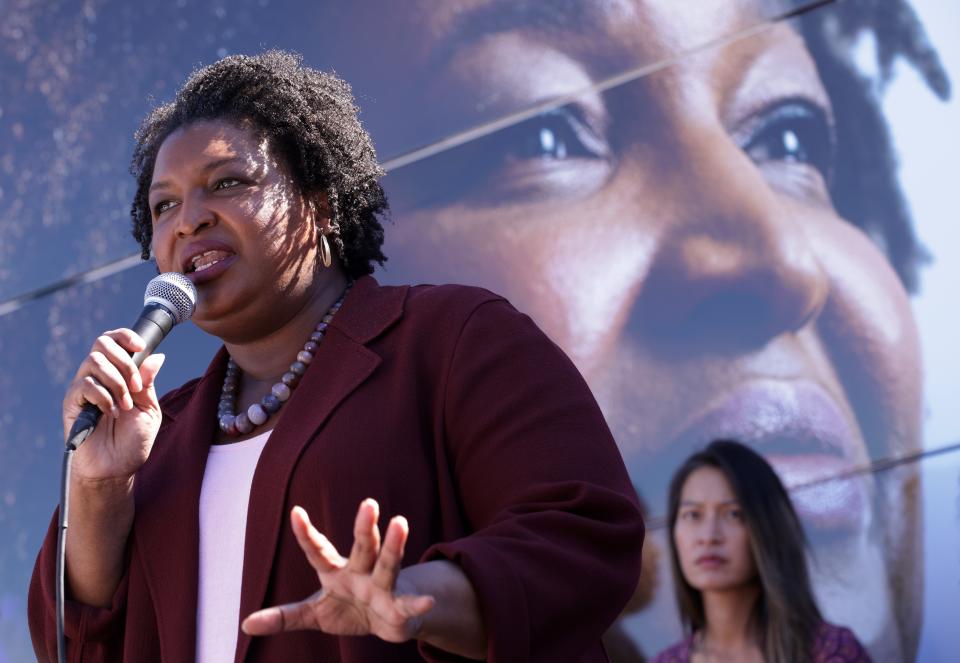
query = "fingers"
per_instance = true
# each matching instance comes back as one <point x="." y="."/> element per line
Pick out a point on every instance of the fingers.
<point x="127" y="339"/>
<point x="108" y="377"/>
<point x="91" y="391"/>
<point x="321" y="554"/>
<point x="116" y="346"/>
<point x="360" y="593"/>
<point x="366" y="537"/>
<point x="288" y="617"/>
<point x="104" y="373"/>
<point x="387" y="568"/>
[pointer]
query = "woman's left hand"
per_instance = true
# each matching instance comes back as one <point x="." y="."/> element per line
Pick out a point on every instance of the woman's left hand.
<point x="361" y="595"/>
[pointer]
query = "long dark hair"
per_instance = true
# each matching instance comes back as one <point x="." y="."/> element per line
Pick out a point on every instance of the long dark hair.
<point x="785" y="615"/>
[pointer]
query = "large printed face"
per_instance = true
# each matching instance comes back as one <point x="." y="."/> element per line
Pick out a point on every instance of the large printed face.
<point x="676" y="236"/>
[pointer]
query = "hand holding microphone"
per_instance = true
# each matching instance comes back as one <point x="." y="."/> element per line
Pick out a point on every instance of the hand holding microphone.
<point x="117" y="379"/>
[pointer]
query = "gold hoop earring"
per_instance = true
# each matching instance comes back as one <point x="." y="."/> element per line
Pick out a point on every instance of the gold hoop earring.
<point x="324" y="250"/>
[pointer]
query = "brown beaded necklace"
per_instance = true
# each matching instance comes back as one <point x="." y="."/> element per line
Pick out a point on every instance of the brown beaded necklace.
<point x="258" y="413"/>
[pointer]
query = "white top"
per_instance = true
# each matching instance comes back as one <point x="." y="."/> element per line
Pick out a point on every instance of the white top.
<point x="224" y="497"/>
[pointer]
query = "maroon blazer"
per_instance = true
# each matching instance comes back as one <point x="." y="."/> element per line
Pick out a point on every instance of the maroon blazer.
<point x="447" y="406"/>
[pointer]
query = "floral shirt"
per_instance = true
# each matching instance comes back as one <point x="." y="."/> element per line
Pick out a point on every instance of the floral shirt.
<point x="833" y="644"/>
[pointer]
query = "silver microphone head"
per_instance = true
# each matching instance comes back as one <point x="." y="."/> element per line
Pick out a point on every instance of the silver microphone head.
<point x="173" y="290"/>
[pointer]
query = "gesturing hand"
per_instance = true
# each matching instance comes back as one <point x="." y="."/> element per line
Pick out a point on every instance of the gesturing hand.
<point x="358" y="596"/>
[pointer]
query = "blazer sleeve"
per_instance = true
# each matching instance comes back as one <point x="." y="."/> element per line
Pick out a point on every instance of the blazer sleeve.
<point x="556" y="530"/>
<point x="93" y="635"/>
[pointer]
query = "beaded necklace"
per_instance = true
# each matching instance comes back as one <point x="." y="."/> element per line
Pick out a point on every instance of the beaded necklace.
<point x="258" y="413"/>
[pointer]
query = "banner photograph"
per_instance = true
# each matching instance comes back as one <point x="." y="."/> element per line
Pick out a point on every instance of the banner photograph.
<point x="733" y="216"/>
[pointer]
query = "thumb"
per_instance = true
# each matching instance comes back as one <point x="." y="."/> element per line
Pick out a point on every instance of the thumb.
<point x="288" y="617"/>
<point x="149" y="369"/>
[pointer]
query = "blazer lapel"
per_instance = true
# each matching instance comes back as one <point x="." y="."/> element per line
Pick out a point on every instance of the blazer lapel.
<point x="167" y="520"/>
<point x="341" y="364"/>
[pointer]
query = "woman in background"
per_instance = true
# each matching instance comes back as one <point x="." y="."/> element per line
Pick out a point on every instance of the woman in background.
<point x="740" y="575"/>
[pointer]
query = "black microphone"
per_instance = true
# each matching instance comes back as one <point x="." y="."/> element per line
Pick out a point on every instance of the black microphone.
<point x="170" y="299"/>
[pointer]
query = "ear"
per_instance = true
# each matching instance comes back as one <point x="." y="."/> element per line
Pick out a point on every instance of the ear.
<point x="320" y="205"/>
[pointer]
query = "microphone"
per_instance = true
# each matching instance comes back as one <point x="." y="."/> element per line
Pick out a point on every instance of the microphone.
<point x="170" y="299"/>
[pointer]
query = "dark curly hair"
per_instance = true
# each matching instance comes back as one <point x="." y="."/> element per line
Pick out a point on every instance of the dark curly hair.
<point x="310" y="118"/>
<point x="865" y="187"/>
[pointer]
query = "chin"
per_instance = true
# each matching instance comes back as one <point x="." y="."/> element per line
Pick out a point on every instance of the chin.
<point x="718" y="584"/>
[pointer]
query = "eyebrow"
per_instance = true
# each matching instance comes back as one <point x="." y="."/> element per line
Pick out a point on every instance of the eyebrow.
<point x="206" y="168"/>
<point x="573" y="15"/>
<point x="692" y="503"/>
<point x="509" y="15"/>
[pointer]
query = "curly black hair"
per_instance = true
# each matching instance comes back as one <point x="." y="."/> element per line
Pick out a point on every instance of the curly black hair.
<point x="865" y="187"/>
<point x="310" y="118"/>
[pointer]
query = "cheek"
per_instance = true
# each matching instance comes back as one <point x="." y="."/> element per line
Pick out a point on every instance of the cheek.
<point x="510" y="253"/>
<point x="161" y="249"/>
<point x="683" y="541"/>
<point x="451" y="241"/>
<point x="746" y="566"/>
<point x="575" y="269"/>
<point x="871" y="337"/>
<point x="742" y="568"/>
<point x="280" y="230"/>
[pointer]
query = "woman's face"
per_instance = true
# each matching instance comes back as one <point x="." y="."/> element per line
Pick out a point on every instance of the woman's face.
<point x="710" y="537"/>
<point x="675" y="235"/>
<point x="228" y="215"/>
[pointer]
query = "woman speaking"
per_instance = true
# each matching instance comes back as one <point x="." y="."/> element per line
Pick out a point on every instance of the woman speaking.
<point x="441" y="406"/>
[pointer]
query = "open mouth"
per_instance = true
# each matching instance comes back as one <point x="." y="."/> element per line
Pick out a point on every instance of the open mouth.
<point x="205" y="260"/>
<point x="803" y="433"/>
